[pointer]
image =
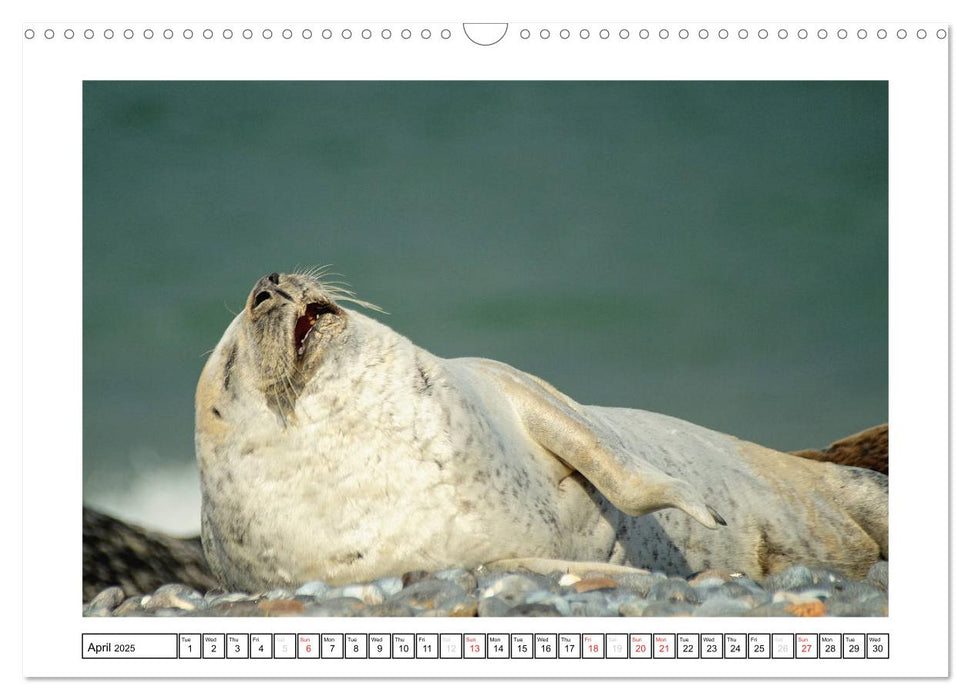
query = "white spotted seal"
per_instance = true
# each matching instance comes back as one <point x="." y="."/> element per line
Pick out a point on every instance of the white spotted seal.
<point x="333" y="448"/>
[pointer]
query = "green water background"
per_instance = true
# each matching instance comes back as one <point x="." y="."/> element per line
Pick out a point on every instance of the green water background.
<point x="712" y="251"/>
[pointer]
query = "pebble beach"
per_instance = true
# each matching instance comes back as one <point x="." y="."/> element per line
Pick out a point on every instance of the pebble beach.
<point x="798" y="591"/>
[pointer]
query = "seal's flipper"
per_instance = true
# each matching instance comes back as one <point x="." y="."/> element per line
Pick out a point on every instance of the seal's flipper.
<point x="585" y="444"/>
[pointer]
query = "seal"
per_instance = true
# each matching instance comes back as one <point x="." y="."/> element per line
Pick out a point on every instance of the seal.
<point x="332" y="448"/>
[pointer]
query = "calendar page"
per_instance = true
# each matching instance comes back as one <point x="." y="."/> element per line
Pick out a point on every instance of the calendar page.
<point x="443" y="348"/>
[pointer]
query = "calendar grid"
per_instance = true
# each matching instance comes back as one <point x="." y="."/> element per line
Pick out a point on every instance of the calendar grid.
<point x="492" y="645"/>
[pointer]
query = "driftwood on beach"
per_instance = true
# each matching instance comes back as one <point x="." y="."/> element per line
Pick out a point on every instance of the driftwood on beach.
<point x="138" y="560"/>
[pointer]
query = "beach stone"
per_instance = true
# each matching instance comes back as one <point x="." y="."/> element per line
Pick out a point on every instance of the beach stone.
<point x="130" y="607"/>
<point x="793" y="597"/>
<point x="534" y="610"/>
<point x="548" y="598"/>
<point x="493" y="606"/>
<point x="224" y="598"/>
<point x="724" y="606"/>
<point x="796" y="576"/>
<point x="511" y="588"/>
<point x="874" y="607"/>
<point x="389" y="585"/>
<point x="648" y="608"/>
<point x="105" y="602"/>
<point x="314" y="589"/>
<point x="673" y="590"/>
<point x="335" y="607"/>
<point x="708" y="578"/>
<point x="279" y="594"/>
<point x="639" y="583"/>
<point x="280" y="608"/>
<point x="246" y="608"/>
<point x="391" y="609"/>
<point x="879" y="575"/>
<point x="435" y="594"/>
<point x="770" y="610"/>
<point x="462" y="577"/>
<point x="366" y="592"/>
<point x="175" y="595"/>
<point x="592" y="604"/>
<point x="814" y="608"/>
<point x="593" y="584"/>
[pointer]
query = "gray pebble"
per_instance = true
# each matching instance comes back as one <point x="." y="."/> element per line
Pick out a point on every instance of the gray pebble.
<point x="246" y="608"/>
<point x="770" y="610"/>
<point x="493" y="606"/>
<point x="435" y="594"/>
<point x="547" y="598"/>
<point x="226" y="598"/>
<point x="335" y="607"/>
<point x="879" y="575"/>
<point x="279" y="594"/>
<point x="367" y="592"/>
<point x="389" y="585"/>
<point x="103" y="603"/>
<point x="674" y="590"/>
<point x="130" y="607"/>
<point x="512" y="588"/>
<point x="725" y="606"/>
<point x="649" y="608"/>
<point x="314" y="589"/>
<point x="534" y="610"/>
<point x="175" y="595"/>
<point x="796" y="576"/>
<point x="462" y="577"/>
<point x="639" y="583"/>
<point x="873" y="607"/>
<point x="392" y="609"/>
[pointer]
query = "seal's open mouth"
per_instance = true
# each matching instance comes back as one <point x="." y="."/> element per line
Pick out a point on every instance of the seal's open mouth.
<point x="305" y="324"/>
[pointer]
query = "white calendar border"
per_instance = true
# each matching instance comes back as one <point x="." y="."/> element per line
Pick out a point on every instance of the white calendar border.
<point x="918" y="327"/>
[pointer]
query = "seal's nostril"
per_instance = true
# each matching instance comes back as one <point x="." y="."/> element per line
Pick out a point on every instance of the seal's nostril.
<point x="260" y="298"/>
<point x="274" y="277"/>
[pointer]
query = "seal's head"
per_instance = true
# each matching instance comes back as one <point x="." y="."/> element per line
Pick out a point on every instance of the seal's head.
<point x="290" y="326"/>
<point x="289" y="322"/>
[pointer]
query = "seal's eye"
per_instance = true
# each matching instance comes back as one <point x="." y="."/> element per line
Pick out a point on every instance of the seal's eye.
<point x="306" y="323"/>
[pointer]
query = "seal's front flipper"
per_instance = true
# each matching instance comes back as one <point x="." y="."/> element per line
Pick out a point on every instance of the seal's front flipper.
<point x="586" y="445"/>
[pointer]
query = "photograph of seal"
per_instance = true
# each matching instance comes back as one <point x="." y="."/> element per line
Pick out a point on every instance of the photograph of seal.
<point x="332" y="448"/>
